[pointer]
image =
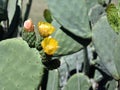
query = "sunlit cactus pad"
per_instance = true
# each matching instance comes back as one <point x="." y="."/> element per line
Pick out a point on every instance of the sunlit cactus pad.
<point x="20" y="66"/>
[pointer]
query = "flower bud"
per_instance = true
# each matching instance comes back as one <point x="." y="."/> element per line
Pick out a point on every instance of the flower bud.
<point x="49" y="45"/>
<point x="45" y="29"/>
<point x="28" y="25"/>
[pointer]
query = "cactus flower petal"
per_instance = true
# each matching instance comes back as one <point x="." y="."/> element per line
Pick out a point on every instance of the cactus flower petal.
<point x="49" y="45"/>
<point x="28" y="25"/>
<point x="45" y="29"/>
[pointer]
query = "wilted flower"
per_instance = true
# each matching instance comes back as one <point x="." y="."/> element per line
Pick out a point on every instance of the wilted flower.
<point x="49" y="45"/>
<point x="28" y="25"/>
<point x="45" y="29"/>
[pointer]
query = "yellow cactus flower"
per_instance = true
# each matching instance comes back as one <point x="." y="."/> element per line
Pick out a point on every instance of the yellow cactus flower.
<point x="49" y="45"/>
<point x="45" y="29"/>
<point x="28" y="25"/>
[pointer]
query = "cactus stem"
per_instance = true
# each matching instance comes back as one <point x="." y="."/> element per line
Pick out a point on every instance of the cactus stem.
<point x="86" y="62"/>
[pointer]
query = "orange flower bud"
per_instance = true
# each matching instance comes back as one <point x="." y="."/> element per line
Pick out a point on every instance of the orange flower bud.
<point x="45" y="29"/>
<point x="49" y="45"/>
<point x="28" y="25"/>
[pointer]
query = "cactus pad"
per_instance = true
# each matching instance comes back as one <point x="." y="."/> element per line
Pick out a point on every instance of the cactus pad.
<point x="78" y="82"/>
<point x="20" y="66"/>
<point x="74" y="19"/>
<point x="106" y="43"/>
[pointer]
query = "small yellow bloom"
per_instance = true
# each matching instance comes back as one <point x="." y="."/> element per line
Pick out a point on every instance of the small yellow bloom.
<point x="45" y="29"/>
<point x="49" y="45"/>
<point x="28" y="25"/>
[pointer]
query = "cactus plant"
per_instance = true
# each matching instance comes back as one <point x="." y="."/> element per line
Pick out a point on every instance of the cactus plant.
<point x="84" y="43"/>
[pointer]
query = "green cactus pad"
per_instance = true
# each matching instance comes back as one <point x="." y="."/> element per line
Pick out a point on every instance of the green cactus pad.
<point x="96" y="13"/>
<point x="107" y="46"/>
<point x="78" y="82"/>
<point x="91" y="3"/>
<point x="72" y="15"/>
<point x="47" y="15"/>
<point x="111" y="85"/>
<point x="20" y="66"/>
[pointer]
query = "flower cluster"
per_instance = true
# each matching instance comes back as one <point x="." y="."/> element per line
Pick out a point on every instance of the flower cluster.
<point x="49" y="44"/>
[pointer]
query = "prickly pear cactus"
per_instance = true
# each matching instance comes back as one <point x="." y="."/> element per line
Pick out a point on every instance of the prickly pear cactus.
<point x="20" y="66"/>
<point x="83" y="36"/>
